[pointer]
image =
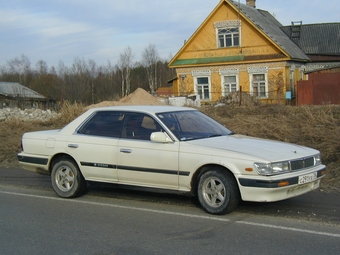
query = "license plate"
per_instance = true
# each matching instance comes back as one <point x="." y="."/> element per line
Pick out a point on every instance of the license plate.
<point x="308" y="178"/>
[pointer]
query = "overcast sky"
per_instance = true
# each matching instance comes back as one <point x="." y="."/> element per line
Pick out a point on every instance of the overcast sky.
<point x="100" y="30"/>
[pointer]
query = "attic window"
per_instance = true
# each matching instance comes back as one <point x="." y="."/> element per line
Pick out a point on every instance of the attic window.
<point x="228" y="33"/>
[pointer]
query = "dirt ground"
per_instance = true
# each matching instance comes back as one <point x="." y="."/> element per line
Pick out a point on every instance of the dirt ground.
<point x="313" y="126"/>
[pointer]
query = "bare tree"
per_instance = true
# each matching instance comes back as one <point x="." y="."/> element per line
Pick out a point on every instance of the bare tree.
<point x="124" y="64"/>
<point x="86" y="82"/>
<point x="92" y="75"/>
<point x="112" y="82"/>
<point x="80" y="88"/>
<point x="41" y="67"/>
<point x="276" y="83"/>
<point x="41" y="79"/>
<point x="150" y="59"/>
<point x="61" y="82"/>
<point x="20" y="67"/>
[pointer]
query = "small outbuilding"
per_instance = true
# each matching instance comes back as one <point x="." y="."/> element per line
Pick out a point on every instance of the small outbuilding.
<point x="13" y="94"/>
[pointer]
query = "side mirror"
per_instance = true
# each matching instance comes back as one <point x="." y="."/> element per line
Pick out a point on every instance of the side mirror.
<point x="160" y="137"/>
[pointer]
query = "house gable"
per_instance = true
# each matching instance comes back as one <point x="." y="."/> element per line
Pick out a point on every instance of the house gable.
<point x="260" y="39"/>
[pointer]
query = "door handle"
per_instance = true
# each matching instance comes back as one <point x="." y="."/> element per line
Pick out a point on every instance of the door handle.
<point x="125" y="150"/>
<point x="72" y="145"/>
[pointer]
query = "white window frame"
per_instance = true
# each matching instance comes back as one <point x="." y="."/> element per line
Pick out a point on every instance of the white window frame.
<point x="259" y="85"/>
<point x="228" y="25"/>
<point x="229" y="72"/>
<point x="302" y="72"/>
<point x="258" y="71"/>
<point x="224" y="33"/>
<point x="202" y="74"/>
<point x="292" y="79"/>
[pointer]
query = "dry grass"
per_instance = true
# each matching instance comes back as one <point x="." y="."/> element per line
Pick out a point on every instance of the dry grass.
<point x="314" y="126"/>
<point x="68" y="112"/>
<point x="12" y="130"/>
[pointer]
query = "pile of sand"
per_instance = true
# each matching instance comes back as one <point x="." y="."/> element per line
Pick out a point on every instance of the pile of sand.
<point x="138" y="97"/>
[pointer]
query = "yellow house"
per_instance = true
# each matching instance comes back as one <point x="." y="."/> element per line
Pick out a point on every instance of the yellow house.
<point x="239" y="48"/>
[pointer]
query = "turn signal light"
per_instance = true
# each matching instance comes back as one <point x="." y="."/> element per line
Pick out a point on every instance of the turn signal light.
<point x="282" y="184"/>
<point x="249" y="169"/>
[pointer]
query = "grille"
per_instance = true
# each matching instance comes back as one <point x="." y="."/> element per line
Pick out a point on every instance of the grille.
<point x="301" y="163"/>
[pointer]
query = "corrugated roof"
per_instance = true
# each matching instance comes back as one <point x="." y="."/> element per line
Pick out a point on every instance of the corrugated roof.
<point x="14" y="89"/>
<point x="319" y="66"/>
<point x="272" y="28"/>
<point x="318" y="39"/>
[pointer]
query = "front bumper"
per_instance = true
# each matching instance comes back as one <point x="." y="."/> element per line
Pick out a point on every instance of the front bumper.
<point x="278" y="187"/>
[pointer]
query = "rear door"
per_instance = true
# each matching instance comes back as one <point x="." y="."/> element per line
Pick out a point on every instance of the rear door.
<point x="94" y="146"/>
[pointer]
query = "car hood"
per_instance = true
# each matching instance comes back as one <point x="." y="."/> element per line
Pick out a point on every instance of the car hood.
<point x="262" y="148"/>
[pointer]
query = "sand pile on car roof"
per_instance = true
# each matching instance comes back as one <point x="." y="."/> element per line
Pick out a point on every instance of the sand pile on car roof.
<point x="138" y="97"/>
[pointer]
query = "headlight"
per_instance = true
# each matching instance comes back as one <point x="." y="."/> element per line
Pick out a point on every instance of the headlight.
<point x="317" y="159"/>
<point x="280" y="167"/>
<point x="286" y="166"/>
<point x="263" y="169"/>
<point x="272" y="168"/>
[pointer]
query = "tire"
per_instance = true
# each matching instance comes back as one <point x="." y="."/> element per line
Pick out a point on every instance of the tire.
<point x="218" y="192"/>
<point x="67" y="180"/>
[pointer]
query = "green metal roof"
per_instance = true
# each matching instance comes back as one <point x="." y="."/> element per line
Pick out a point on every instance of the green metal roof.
<point x="196" y="61"/>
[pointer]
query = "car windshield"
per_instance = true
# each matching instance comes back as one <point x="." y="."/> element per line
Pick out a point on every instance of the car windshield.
<point x="190" y="125"/>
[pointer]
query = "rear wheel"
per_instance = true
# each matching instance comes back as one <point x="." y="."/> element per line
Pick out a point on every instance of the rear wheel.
<point x="67" y="181"/>
<point x="218" y="192"/>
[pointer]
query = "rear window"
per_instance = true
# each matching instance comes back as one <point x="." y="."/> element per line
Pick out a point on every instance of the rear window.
<point x="104" y="123"/>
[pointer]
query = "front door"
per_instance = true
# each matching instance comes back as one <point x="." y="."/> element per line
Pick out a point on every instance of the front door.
<point x="142" y="162"/>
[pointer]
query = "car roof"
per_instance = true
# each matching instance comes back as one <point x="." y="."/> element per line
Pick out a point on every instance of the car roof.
<point x="151" y="109"/>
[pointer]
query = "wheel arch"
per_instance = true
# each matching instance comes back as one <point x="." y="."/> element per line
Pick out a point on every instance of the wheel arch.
<point x="205" y="168"/>
<point x="60" y="156"/>
<point x="66" y="177"/>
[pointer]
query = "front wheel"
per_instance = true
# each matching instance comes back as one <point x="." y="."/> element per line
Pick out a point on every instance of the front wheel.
<point x="218" y="192"/>
<point x="67" y="181"/>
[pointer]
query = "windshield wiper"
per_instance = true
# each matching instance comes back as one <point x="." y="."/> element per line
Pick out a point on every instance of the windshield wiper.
<point x="186" y="138"/>
<point x="214" y="135"/>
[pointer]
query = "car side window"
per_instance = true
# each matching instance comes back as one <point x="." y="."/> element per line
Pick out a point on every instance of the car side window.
<point x="139" y="126"/>
<point x="104" y="123"/>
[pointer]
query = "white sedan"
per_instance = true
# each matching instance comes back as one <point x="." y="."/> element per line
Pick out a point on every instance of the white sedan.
<point x="170" y="148"/>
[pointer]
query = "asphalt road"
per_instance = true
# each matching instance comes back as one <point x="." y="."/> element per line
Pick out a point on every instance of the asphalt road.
<point x="110" y="220"/>
<point x="315" y="206"/>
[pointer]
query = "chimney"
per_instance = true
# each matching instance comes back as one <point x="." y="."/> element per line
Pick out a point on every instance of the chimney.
<point x="251" y="3"/>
